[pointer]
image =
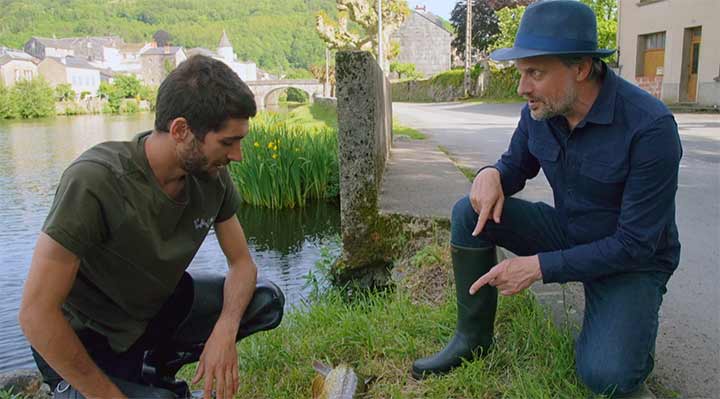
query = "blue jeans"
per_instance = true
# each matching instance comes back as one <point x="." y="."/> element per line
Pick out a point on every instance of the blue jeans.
<point x="614" y="352"/>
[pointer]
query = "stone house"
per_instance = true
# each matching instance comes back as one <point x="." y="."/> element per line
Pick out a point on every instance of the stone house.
<point x="82" y="76"/>
<point x="157" y="62"/>
<point x="671" y="48"/>
<point x="425" y="42"/>
<point x="15" y="66"/>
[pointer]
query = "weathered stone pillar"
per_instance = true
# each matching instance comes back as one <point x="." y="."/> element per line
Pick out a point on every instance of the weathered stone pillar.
<point x="365" y="132"/>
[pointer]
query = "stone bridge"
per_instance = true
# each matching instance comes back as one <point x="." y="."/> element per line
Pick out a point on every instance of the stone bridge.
<point x="267" y="91"/>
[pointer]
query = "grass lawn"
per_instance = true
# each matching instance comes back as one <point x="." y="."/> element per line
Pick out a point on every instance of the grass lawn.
<point x="380" y="333"/>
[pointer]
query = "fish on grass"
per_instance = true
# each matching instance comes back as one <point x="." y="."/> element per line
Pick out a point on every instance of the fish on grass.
<point x="340" y="382"/>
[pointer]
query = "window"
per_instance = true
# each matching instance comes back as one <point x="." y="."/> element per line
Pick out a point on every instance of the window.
<point x="650" y="55"/>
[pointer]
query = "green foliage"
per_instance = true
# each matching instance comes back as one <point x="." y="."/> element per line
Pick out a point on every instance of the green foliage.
<point x="277" y="36"/>
<point x="32" y="99"/>
<point x="297" y="95"/>
<point x="485" y="23"/>
<point x="285" y="165"/>
<point x="453" y="77"/>
<point x="406" y="71"/>
<point x="508" y="21"/>
<point x="6" y="110"/>
<point x="127" y="86"/>
<point x="9" y="394"/>
<point x="503" y="83"/>
<point x="129" y="106"/>
<point x="64" y="92"/>
<point x="316" y="116"/>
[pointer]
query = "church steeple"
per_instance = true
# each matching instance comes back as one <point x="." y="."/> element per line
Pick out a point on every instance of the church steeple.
<point x="224" y="41"/>
<point x="225" y="48"/>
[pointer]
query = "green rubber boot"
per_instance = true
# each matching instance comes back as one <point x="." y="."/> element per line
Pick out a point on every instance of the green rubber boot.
<point x="476" y="313"/>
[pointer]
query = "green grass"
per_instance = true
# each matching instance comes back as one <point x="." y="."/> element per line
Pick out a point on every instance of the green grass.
<point x="469" y="173"/>
<point x="10" y="395"/>
<point x="401" y="130"/>
<point x="379" y="334"/>
<point x="314" y="116"/>
<point x="286" y="164"/>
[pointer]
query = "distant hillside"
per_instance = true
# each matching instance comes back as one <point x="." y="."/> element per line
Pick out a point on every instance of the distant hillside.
<point x="279" y="35"/>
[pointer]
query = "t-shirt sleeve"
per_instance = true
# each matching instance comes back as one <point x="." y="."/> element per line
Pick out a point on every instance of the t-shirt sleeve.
<point x="78" y="216"/>
<point x="231" y="199"/>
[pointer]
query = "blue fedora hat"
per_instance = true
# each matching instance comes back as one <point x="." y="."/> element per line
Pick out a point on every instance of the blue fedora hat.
<point x="554" y="27"/>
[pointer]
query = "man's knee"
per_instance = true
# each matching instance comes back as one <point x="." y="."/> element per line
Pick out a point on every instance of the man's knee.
<point x="610" y="378"/>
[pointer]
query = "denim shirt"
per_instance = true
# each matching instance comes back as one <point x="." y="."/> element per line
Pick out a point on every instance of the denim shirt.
<point x="614" y="179"/>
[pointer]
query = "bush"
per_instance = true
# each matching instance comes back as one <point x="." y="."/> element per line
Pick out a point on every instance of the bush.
<point x="129" y="106"/>
<point x="406" y="71"/>
<point x="64" y="92"/>
<point x="32" y="99"/>
<point x="6" y="110"/>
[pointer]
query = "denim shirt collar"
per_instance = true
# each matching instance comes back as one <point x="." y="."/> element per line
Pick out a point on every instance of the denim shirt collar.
<point x="603" y="109"/>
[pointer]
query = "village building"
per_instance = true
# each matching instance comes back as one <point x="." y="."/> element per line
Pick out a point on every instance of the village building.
<point x="671" y="50"/>
<point x="16" y="66"/>
<point x="156" y="63"/>
<point x="84" y="78"/>
<point x="424" y="42"/>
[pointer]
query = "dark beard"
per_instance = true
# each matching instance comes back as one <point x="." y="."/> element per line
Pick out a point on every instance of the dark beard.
<point x="194" y="162"/>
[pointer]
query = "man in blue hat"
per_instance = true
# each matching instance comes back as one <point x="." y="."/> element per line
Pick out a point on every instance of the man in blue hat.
<point x="611" y="153"/>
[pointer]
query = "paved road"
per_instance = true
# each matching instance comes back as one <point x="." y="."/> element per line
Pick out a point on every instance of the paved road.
<point x="688" y="345"/>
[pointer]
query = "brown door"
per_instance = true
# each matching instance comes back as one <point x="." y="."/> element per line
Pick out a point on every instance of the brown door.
<point x="693" y="67"/>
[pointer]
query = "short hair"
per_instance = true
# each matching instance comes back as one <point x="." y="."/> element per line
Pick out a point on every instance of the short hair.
<point x="597" y="70"/>
<point x="206" y="92"/>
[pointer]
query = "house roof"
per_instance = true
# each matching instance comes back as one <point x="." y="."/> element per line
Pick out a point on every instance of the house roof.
<point x="74" y="62"/>
<point x="224" y="41"/>
<point x="169" y="50"/>
<point x="71" y="43"/>
<point x="201" y="51"/>
<point x="432" y="18"/>
<point x="8" y="54"/>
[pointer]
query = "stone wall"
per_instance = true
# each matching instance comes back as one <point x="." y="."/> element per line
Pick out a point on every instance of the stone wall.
<point x="652" y="85"/>
<point x="420" y="91"/>
<point x="364" y="134"/>
<point x="423" y="43"/>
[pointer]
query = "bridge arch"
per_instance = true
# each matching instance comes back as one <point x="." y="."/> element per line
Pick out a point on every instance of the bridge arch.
<point x="262" y="89"/>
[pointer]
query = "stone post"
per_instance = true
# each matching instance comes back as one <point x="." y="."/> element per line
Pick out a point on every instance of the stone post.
<point x="364" y="108"/>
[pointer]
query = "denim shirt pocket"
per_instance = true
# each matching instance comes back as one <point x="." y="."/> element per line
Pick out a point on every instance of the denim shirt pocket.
<point x="547" y="155"/>
<point x="602" y="182"/>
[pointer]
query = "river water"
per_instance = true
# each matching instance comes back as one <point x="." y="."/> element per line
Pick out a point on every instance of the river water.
<point x="285" y="244"/>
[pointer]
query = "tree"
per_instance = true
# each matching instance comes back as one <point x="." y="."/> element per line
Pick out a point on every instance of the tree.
<point x="363" y="14"/>
<point x="64" y="92"/>
<point x="408" y="70"/>
<point x="32" y="99"/>
<point x="485" y="27"/>
<point x="318" y="72"/>
<point x="127" y="86"/>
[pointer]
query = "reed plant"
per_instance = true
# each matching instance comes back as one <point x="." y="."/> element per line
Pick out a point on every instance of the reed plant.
<point x="285" y="165"/>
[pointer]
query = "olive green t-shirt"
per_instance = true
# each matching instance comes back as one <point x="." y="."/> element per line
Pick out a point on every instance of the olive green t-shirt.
<point x="134" y="241"/>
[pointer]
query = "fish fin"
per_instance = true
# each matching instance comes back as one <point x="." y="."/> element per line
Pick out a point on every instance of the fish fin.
<point x="321" y="368"/>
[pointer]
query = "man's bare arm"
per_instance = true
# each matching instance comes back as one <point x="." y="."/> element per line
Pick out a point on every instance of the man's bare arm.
<point x="52" y="273"/>
<point x="219" y="358"/>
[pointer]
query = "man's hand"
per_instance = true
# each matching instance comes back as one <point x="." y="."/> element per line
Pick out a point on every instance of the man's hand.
<point x="219" y="363"/>
<point x="487" y="197"/>
<point x="511" y="275"/>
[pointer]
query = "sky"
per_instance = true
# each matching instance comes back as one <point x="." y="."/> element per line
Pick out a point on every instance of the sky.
<point x="437" y="7"/>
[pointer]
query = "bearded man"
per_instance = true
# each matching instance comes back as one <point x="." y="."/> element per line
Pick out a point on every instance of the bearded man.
<point x="107" y="306"/>
<point x="611" y="154"/>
